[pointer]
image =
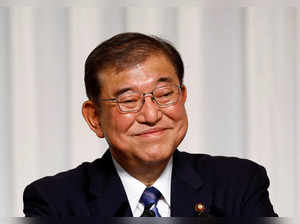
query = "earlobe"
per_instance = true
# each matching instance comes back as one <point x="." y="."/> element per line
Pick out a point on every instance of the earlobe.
<point x="91" y="116"/>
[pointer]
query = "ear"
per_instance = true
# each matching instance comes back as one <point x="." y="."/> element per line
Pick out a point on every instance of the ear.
<point x="184" y="93"/>
<point x="92" y="117"/>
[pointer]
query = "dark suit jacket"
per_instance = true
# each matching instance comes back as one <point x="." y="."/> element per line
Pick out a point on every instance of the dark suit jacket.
<point x="226" y="186"/>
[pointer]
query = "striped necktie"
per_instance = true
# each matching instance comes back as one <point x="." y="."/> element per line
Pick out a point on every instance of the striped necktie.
<point x="149" y="199"/>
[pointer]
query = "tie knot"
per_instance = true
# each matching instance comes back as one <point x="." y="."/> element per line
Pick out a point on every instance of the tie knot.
<point x="150" y="196"/>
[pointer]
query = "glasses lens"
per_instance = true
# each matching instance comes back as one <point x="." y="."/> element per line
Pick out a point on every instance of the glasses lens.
<point x="166" y="95"/>
<point x="129" y="102"/>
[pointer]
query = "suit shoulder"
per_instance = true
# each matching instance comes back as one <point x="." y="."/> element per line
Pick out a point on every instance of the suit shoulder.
<point x="66" y="193"/>
<point x="238" y="171"/>
<point x="235" y="165"/>
<point x="236" y="186"/>
<point x="59" y="185"/>
<point x="224" y="166"/>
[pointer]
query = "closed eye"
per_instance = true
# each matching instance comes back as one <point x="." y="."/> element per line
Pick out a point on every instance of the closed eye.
<point x="128" y="101"/>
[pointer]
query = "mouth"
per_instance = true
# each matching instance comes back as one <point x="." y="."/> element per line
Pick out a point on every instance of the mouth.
<point x="152" y="132"/>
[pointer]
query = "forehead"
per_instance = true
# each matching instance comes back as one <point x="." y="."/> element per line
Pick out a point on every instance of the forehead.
<point x="144" y="76"/>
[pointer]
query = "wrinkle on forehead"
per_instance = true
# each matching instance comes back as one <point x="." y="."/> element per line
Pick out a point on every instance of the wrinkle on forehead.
<point x="142" y="76"/>
<point x="139" y="75"/>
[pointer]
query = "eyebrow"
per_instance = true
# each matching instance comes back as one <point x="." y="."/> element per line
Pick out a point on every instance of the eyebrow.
<point x="123" y="90"/>
<point x="164" y="79"/>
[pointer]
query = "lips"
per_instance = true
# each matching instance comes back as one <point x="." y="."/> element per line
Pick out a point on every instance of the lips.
<point x="152" y="132"/>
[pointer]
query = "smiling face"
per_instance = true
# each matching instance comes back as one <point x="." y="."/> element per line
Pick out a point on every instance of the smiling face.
<point x="150" y="135"/>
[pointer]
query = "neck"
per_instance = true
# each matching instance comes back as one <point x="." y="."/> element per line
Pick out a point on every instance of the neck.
<point x="147" y="173"/>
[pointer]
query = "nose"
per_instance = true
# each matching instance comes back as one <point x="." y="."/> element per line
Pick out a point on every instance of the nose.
<point x="150" y="113"/>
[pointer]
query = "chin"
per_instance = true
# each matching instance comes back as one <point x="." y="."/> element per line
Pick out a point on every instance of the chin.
<point x="156" y="156"/>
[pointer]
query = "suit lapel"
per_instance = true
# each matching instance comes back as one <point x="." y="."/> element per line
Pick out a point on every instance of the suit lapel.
<point x="188" y="186"/>
<point x="107" y="195"/>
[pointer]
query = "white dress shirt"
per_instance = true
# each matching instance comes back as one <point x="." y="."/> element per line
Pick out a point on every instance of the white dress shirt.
<point x="134" y="190"/>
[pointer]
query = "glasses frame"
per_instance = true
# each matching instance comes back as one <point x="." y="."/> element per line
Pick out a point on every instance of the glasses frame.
<point x="115" y="100"/>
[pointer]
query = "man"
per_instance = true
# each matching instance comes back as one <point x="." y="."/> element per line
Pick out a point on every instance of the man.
<point x="136" y="102"/>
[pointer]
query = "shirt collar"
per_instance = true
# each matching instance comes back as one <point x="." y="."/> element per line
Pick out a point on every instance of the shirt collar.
<point x="163" y="183"/>
<point x="134" y="188"/>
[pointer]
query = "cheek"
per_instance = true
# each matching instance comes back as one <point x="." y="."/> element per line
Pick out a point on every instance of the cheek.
<point x="120" y="123"/>
<point x="176" y="113"/>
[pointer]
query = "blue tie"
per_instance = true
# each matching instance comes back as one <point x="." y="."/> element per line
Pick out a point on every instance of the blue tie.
<point x="150" y="197"/>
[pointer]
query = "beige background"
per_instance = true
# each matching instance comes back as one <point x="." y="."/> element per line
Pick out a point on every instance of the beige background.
<point x="242" y="69"/>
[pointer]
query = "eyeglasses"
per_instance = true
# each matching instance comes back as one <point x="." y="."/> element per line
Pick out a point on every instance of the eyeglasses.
<point x="133" y="101"/>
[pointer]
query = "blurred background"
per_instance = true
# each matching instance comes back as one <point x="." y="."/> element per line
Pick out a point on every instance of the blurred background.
<point x="241" y="71"/>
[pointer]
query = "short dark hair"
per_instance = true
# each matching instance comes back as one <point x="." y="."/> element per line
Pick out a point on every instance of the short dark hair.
<point x="122" y="52"/>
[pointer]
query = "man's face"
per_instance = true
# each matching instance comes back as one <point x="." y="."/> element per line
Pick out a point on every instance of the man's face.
<point x="153" y="133"/>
